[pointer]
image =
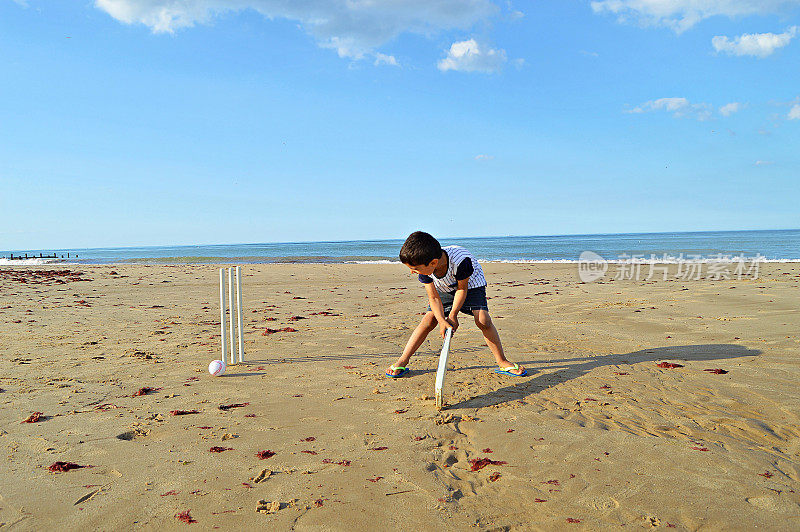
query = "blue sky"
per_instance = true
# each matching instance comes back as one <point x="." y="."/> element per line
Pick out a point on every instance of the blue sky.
<point x="158" y="122"/>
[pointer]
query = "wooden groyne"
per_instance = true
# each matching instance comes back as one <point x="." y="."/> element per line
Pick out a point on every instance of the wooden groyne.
<point x="39" y="256"/>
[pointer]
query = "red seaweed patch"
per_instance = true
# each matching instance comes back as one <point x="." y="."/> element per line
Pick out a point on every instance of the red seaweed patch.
<point x="185" y="517"/>
<point x="144" y="391"/>
<point x="42" y="276"/>
<point x="480" y="463"/>
<point x="183" y="412"/>
<point x="668" y="365"/>
<point x="717" y="371"/>
<point x="263" y="455"/>
<point x="63" y="467"/>
<point x="34" y="418"/>
<point x="218" y="449"/>
<point x="273" y="331"/>
<point x="234" y="405"/>
<point x="342" y="463"/>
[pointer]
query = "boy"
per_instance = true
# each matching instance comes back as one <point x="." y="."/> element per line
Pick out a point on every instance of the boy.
<point x="454" y="282"/>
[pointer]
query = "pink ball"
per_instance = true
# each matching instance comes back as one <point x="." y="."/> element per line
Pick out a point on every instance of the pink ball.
<point x="216" y="368"/>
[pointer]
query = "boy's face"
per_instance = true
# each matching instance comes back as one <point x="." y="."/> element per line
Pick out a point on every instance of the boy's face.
<point x="424" y="269"/>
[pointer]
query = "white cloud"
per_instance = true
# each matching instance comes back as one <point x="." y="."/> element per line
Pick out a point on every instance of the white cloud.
<point x="484" y="157"/>
<point x="354" y="28"/>
<point x="679" y="107"/>
<point x="764" y="163"/>
<point x="514" y="14"/>
<point x="383" y="59"/>
<point x="729" y="108"/>
<point x="755" y="44"/>
<point x="469" y="56"/>
<point x="681" y="15"/>
<point x="794" y="112"/>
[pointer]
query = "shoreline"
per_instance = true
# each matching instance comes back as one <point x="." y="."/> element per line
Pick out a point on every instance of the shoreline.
<point x="221" y="262"/>
<point x="664" y="247"/>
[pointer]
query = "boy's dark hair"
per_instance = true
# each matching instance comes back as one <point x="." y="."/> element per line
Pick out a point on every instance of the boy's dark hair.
<point x="420" y="248"/>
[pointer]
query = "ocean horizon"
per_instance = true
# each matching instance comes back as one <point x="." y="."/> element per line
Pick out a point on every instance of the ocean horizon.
<point x="773" y="245"/>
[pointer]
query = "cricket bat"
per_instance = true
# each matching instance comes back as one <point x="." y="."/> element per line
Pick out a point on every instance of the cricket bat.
<point x="442" y="368"/>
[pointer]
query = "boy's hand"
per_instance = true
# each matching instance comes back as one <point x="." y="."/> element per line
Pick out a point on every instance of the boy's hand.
<point x="453" y="320"/>
<point x="443" y="328"/>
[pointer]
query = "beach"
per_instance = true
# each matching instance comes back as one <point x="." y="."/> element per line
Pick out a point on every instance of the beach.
<point x="648" y="403"/>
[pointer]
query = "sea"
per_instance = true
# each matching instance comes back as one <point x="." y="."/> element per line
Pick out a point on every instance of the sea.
<point x="764" y="245"/>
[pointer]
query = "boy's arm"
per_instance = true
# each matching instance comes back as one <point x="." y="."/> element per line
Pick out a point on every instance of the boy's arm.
<point x="458" y="300"/>
<point x="436" y="304"/>
<point x="463" y="273"/>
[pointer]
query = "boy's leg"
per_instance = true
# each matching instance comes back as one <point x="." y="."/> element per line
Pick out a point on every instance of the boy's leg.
<point x="426" y="325"/>
<point x="492" y="337"/>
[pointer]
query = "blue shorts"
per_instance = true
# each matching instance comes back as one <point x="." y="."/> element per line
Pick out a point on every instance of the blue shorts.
<point x="476" y="300"/>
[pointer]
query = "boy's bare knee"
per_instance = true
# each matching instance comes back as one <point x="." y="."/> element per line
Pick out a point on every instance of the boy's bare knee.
<point x="428" y="321"/>
<point x="483" y="321"/>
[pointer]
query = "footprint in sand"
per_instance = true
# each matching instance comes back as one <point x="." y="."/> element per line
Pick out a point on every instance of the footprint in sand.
<point x="266" y="507"/>
<point x="776" y="504"/>
<point x="87" y="496"/>
<point x="601" y="503"/>
<point x="652" y="521"/>
<point x="134" y="434"/>
<point x="261" y="477"/>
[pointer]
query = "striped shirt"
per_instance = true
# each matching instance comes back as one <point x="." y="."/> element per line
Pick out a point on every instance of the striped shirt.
<point x="460" y="265"/>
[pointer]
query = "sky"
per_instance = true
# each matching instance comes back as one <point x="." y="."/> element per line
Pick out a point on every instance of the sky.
<point x="170" y="122"/>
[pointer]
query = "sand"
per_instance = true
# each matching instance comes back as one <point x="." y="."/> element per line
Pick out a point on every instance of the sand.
<point x="597" y="436"/>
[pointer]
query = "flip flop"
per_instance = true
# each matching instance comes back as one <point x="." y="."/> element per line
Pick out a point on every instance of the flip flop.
<point x="403" y="371"/>
<point x="505" y="371"/>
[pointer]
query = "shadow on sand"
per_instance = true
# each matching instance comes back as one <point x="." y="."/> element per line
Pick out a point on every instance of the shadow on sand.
<point x="572" y="368"/>
<point x="357" y="356"/>
<point x="566" y="368"/>
<point x="347" y="357"/>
